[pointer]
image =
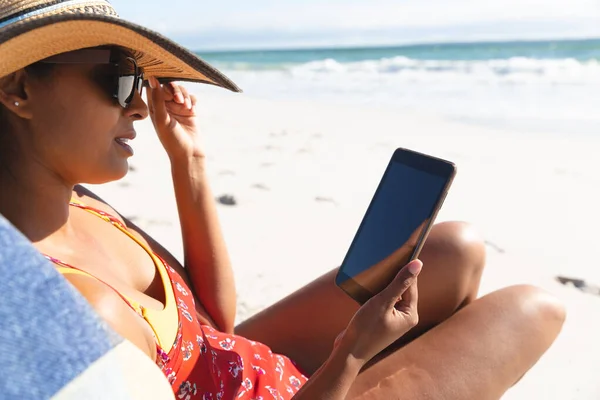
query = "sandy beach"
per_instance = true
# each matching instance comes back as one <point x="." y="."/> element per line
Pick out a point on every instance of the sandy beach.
<point x="302" y="175"/>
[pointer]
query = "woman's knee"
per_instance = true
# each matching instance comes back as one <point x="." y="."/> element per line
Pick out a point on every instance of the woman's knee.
<point x="460" y="243"/>
<point x="536" y="309"/>
<point x="530" y="318"/>
<point x="457" y="253"/>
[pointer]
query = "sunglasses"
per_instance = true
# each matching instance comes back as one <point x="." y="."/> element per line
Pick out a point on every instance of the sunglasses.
<point x="122" y="80"/>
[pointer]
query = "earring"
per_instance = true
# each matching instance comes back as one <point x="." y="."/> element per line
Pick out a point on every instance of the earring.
<point x="17" y="103"/>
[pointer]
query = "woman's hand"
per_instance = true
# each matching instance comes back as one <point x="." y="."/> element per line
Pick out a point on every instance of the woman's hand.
<point x="173" y="113"/>
<point x="384" y="318"/>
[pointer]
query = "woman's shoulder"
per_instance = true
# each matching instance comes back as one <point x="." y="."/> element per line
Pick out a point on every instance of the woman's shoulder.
<point x="88" y="198"/>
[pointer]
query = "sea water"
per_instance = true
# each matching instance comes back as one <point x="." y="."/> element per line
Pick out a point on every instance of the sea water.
<point x="545" y="86"/>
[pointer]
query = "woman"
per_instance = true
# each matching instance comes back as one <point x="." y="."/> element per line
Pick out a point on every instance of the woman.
<point x="70" y="92"/>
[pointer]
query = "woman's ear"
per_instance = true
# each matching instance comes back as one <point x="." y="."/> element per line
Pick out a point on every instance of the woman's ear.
<point x="13" y="95"/>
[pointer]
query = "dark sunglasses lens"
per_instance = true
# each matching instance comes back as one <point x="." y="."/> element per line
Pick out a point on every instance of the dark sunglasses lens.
<point x="127" y="81"/>
<point x="126" y="89"/>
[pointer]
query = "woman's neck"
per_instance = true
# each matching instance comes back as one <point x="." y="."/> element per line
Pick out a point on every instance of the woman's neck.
<point x="34" y="200"/>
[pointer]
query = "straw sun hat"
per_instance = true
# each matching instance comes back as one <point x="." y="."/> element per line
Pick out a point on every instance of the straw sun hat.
<point x="32" y="30"/>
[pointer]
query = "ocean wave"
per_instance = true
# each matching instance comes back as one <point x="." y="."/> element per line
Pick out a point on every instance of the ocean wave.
<point x="512" y="70"/>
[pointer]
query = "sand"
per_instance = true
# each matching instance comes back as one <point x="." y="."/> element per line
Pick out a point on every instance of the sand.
<point x="302" y="175"/>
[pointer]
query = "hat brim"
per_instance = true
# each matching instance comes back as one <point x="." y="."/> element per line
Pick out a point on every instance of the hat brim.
<point x="27" y="42"/>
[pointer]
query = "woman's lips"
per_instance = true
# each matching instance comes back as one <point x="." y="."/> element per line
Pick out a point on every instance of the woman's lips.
<point x="124" y="143"/>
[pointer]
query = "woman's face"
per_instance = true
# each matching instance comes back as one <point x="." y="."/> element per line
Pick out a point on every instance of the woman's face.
<point x="75" y="125"/>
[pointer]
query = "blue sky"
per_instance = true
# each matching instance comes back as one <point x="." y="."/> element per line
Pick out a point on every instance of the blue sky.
<point x="241" y="24"/>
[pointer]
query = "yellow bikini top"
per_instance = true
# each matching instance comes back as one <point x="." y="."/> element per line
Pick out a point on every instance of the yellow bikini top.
<point x="165" y="322"/>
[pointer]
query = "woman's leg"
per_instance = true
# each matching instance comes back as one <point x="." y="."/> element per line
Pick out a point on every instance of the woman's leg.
<point x="478" y="353"/>
<point x="304" y="325"/>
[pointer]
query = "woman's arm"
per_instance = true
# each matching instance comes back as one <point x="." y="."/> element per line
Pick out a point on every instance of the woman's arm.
<point x="333" y="380"/>
<point x="377" y="324"/>
<point x="206" y="258"/>
<point x="173" y="114"/>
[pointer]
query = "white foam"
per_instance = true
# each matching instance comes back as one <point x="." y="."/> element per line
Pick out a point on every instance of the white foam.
<point x="515" y="70"/>
<point x="559" y="95"/>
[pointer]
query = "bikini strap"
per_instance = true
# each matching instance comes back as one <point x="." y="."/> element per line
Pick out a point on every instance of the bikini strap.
<point x="102" y="214"/>
<point x="161" y="320"/>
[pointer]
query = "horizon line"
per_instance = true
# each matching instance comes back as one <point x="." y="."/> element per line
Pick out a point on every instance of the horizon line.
<point x="398" y="45"/>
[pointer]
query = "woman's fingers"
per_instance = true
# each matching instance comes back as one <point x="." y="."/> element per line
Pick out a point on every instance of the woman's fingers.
<point x="178" y="94"/>
<point x="385" y="317"/>
<point x="156" y="102"/>
<point x="400" y="288"/>
<point x="187" y="100"/>
<point x="166" y="99"/>
<point x="175" y="91"/>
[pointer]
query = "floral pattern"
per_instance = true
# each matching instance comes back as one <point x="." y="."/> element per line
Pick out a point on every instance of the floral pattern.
<point x="181" y="289"/>
<point x="205" y="364"/>
<point x="187" y="349"/>
<point x="210" y="365"/>
<point x="227" y="344"/>
<point x="187" y="390"/>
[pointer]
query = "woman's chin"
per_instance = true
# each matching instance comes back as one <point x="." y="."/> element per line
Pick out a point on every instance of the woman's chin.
<point x="117" y="171"/>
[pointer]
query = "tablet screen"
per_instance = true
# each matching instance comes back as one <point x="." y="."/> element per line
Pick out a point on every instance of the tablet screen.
<point x="401" y="208"/>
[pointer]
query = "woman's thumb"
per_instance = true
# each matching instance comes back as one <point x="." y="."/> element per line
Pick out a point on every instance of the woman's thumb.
<point x="403" y="280"/>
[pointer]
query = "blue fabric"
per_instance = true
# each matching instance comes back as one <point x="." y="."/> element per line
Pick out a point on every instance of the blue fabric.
<point x="49" y="334"/>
